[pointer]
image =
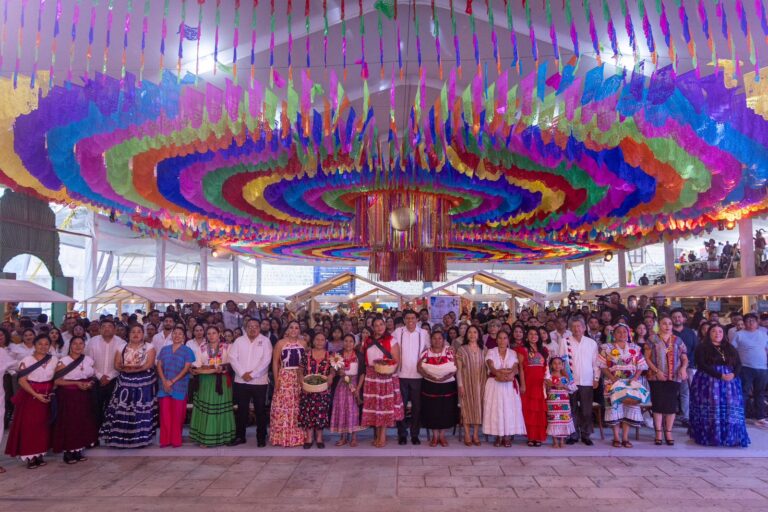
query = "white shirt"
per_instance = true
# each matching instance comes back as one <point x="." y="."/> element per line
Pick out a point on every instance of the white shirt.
<point x="412" y="345"/>
<point x="19" y="351"/>
<point x="80" y="372"/>
<point x="251" y="356"/>
<point x="160" y="340"/>
<point x="582" y="358"/>
<point x="557" y="338"/>
<point x="7" y="362"/>
<point x="103" y="355"/>
<point x="232" y="320"/>
<point x="195" y="347"/>
<point x="43" y="373"/>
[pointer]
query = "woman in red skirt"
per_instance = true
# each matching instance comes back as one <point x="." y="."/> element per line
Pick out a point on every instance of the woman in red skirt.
<point x="75" y="427"/>
<point x="382" y="402"/>
<point x="533" y="357"/>
<point x="30" y="434"/>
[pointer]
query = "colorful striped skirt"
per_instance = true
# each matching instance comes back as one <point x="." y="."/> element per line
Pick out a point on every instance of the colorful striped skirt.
<point x="382" y="402"/>
<point x="345" y="417"/>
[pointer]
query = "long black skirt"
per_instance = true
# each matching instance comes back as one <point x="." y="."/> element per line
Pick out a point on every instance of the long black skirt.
<point x="664" y="396"/>
<point x="439" y="404"/>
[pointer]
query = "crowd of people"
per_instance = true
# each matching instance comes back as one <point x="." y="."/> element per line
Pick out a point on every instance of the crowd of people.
<point x="504" y="375"/>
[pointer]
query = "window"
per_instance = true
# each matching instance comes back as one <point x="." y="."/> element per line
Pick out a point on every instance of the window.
<point x="554" y="287"/>
<point x="596" y="286"/>
<point x="636" y="257"/>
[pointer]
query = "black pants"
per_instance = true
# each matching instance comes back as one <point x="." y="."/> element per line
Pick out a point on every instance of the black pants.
<point x="243" y="394"/>
<point x="581" y="410"/>
<point x="103" y="396"/>
<point x="410" y="389"/>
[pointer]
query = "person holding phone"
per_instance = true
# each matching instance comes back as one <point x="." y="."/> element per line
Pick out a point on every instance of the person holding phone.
<point x="30" y="434"/>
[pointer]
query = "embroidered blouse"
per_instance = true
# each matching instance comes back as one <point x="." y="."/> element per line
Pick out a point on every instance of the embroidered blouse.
<point x="667" y="358"/>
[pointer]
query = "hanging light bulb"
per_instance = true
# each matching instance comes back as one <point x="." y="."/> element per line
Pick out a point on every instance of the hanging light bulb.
<point x="608" y="256"/>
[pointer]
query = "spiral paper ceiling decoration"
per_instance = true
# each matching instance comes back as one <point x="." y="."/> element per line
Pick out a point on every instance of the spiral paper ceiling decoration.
<point x="560" y="162"/>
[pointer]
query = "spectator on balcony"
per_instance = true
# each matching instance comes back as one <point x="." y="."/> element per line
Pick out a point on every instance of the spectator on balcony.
<point x="691" y="256"/>
<point x="644" y="281"/>
<point x="759" y="245"/>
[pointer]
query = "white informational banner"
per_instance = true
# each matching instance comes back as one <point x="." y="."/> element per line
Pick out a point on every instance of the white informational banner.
<point x="439" y="306"/>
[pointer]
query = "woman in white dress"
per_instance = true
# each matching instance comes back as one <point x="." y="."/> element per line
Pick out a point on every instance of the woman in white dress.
<point x="502" y="408"/>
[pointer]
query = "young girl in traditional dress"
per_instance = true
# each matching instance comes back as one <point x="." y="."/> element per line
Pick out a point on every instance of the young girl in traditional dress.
<point x="559" y="420"/>
<point x="345" y="418"/>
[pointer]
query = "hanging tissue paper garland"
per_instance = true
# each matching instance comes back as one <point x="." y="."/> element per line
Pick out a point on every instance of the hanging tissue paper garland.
<point x="602" y="162"/>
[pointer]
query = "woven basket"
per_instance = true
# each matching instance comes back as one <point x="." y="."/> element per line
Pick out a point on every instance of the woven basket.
<point x="314" y="388"/>
<point x="385" y="369"/>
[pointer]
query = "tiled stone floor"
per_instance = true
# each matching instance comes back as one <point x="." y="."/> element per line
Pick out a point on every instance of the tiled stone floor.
<point x="596" y="479"/>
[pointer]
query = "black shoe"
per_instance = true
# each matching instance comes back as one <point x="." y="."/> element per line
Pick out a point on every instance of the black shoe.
<point x="32" y="463"/>
<point x="80" y="457"/>
<point x="41" y="461"/>
<point x="236" y="441"/>
<point x="570" y="441"/>
<point x="402" y="440"/>
<point x="307" y="446"/>
<point x="415" y="441"/>
<point x="587" y="441"/>
<point x="261" y="443"/>
<point x="321" y="445"/>
<point x="69" y="458"/>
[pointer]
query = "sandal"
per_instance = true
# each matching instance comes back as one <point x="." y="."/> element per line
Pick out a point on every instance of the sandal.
<point x="476" y="442"/>
<point x="537" y="443"/>
<point x="507" y="443"/>
<point x="353" y="443"/>
<point x="443" y="442"/>
<point x="2" y="470"/>
<point x="658" y="440"/>
<point x="626" y="444"/>
<point x="433" y="442"/>
<point x="670" y="442"/>
<point x="616" y="443"/>
<point x="341" y="442"/>
<point x="497" y="442"/>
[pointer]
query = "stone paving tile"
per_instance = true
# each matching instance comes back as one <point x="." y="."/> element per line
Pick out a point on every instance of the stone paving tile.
<point x="718" y="493"/>
<point x="602" y="493"/>
<point x="486" y="492"/>
<point x="452" y="481"/>
<point x="508" y="481"/>
<point x="528" y="470"/>
<point x="476" y="470"/>
<point x="739" y="482"/>
<point x="426" y="492"/>
<point x="424" y="471"/>
<point x="564" y="481"/>
<point x="391" y="484"/>
<point x="567" y="470"/>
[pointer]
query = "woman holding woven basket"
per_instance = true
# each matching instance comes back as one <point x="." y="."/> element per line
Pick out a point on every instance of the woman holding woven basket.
<point x="382" y="402"/>
<point x="315" y="374"/>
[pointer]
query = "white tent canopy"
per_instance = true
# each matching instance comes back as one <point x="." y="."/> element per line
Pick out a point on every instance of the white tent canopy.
<point x="12" y="290"/>
<point x="510" y="288"/>
<point x="142" y="294"/>
<point x="315" y="291"/>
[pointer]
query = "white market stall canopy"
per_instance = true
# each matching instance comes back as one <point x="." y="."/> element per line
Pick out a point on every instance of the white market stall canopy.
<point x="314" y="291"/>
<point x="510" y="288"/>
<point x="485" y="297"/>
<point x="142" y="294"/>
<point x="343" y="299"/>
<point x="734" y="287"/>
<point x="12" y="290"/>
